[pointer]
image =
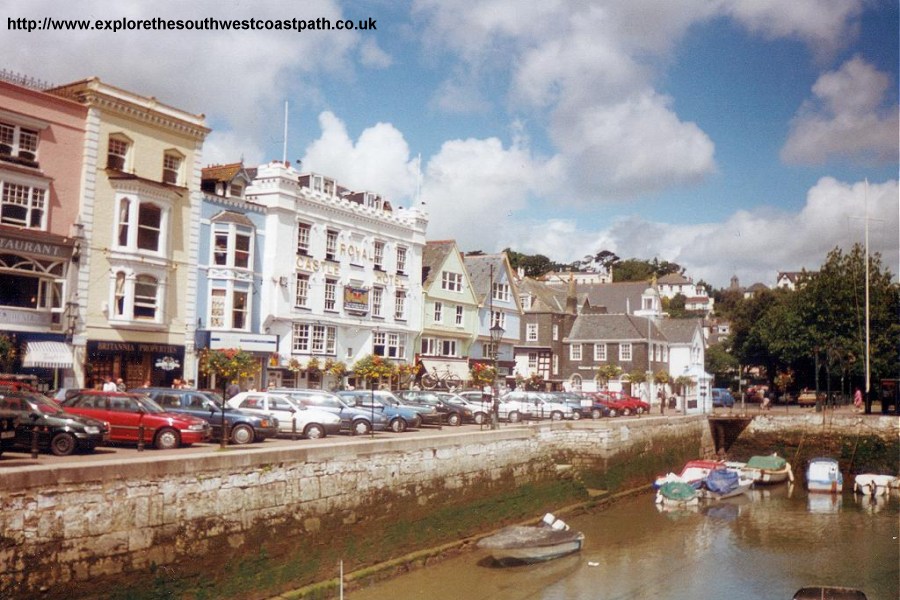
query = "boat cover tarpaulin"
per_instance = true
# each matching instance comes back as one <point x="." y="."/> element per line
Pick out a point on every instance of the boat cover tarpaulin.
<point x="722" y="481"/>
<point x="770" y="463"/>
<point x="677" y="490"/>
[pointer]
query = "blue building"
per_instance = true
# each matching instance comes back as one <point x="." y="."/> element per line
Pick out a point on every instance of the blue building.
<point x="229" y="271"/>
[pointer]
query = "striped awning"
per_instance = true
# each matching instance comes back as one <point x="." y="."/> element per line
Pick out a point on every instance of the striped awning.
<point x="50" y="355"/>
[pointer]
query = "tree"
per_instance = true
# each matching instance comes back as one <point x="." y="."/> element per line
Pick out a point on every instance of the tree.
<point x="229" y="364"/>
<point x="720" y="363"/>
<point x="373" y="368"/>
<point x="632" y="269"/>
<point x="533" y="265"/>
<point x="608" y="371"/>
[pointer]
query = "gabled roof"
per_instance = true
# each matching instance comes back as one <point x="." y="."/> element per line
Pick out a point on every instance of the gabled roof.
<point x="229" y="216"/>
<point x="679" y="331"/>
<point x="545" y="298"/>
<point x="479" y="268"/>
<point x="617" y="298"/>
<point x="433" y="256"/>
<point x="600" y="327"/>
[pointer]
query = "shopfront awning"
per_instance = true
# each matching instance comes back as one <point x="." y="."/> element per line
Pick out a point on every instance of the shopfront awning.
<point x="48" y="355"/>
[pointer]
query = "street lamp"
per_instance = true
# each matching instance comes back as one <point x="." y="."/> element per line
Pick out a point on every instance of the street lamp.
<point x="496" y="336"/>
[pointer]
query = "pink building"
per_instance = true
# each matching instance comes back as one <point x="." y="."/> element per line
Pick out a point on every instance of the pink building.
<point x="41" y="151"/>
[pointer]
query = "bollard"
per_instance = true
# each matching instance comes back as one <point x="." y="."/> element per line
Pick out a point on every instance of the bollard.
<point x="225" y="433"/>
<point x="34" y="441"/>
<point x="294" y="428"/>
<point x="141" y="436"/>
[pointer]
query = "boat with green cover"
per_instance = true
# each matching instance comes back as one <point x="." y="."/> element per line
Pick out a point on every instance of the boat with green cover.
<point x="768" y="469"/>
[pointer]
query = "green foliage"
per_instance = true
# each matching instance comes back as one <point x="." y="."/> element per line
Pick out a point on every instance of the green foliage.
<point x="228" y="363"/>
<point x="373" y="368"/>
<point x="822" y="323"/>
<point x="720" y="363"/>
<point x="533" y="265"/>
<point x="637" y="376"/>
<point x="7" y="353"/>
<point x="607" y="372"/>
<point x="482" y="374"/>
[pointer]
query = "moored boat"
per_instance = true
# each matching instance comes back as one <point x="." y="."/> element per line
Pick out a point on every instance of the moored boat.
<point x="675" y="494"/>
<point x="526" y="544"/>
<point x="828" y="593"/>
<point x="724" y="483"/>
<point x="768" y="469"/>
<point x="824" y="475"/>
<point x="871" y="484"/>
<point x="693" y="473"/>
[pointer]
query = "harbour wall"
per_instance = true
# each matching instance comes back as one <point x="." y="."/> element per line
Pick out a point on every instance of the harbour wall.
<point x="247" y="523"/>
<point x="253" y="522"/>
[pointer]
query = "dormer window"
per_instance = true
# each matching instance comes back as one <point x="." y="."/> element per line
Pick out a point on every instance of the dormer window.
<point x="117" y="153"/>
<point x="236" y="190"/>
<point x="172" y="162"/>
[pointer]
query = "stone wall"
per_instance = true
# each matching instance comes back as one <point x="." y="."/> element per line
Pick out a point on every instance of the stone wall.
<point x="218" y="521"/>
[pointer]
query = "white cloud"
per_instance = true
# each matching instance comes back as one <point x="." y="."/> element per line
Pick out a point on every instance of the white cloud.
<point x="377" y="161"/>
<point x="848" y="119"/>
<point x="826" y="25"/>
<point x="220" y="146"/>
<point x="754" y="245"/>
<point x="371" y="55"/>
<point x="475" y="189"/>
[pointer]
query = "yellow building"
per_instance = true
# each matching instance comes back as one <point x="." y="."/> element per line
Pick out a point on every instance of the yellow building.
<point x="140" y="207"/>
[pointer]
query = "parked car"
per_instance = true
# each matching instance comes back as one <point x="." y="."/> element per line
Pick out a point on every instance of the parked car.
<point x="8" y="422"/>
<point x="722" y="397"/>
<point x="583" y="405"/>
<point x="809" y="398"/>
<point x="453" y="414"/>
<point x="292" y="417"/>
<point x="243" y="427"/>
<point x="400" y="418"/>
<point x="617" y="406"/>
<point x="520" y="404"/>
<point x="355" y="420"/>
<point x="131" y="416"/>
<point x="428" y="415"/>
<point x="58" y="432"/>
<point x="635" y="405"/>
<point x="480" y="408"/>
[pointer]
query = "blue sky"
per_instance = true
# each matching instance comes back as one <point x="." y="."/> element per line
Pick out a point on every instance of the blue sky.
<point x="730" y="136"/>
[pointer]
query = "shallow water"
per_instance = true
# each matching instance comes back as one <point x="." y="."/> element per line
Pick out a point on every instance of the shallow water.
<point x="767" y="544"/>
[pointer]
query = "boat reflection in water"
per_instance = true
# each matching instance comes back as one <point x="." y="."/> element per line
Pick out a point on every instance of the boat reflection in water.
<point x="824" y="503"/>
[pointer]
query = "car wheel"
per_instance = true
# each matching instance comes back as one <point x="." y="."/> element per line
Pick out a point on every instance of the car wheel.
<point x="640" y="410"/>
<point x="480" y="418"/>
<point x="626" y="412"/>
<point x="454" y="420"/>
<point x="398" y="425"/>
<point x="514" y="416"/>
<point x="314" y="431"/>
<point x="596" y="414"/>
<point x="62" y="444"/>
<point x="576" y="415"/>
<point x="556" y="416"/>
<point x="242" y="434"/>
<point x="360" y="427"/>
<point x="166" y="439"/>
<point x="613" y="412"/>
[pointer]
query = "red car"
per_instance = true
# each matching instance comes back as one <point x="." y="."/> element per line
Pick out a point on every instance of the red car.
<point x="126" y="413"/>
<point x="616" y="406"/>
<point x="637" y="405"/>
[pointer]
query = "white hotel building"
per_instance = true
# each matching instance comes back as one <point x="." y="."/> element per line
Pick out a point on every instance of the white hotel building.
<point x="342" y="273"/>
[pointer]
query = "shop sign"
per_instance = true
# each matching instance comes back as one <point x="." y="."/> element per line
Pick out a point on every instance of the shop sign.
<point x="34" y="248"/>
<point x="167" y="363"/>
<point x="11" y="316"/>
<point x="356" y="299"/>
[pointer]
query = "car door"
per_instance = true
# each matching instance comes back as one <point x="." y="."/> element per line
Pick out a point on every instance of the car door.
<point x="284" y="411"/>
<point x="126" y="418"/>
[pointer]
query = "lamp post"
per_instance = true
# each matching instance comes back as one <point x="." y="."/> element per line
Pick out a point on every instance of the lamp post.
<point x="496" y="336"/>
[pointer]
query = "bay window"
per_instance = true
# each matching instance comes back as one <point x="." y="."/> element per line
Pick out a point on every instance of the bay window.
<point x="22" y="205"/>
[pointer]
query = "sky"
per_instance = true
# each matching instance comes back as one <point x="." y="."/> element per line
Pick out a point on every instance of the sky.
<point x="732" y="137"/>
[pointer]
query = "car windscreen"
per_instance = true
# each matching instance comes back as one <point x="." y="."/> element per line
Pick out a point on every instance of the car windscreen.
<point x="148" y="404"/>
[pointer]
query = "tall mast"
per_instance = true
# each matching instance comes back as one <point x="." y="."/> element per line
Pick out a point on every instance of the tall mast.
<point x="868" y="366"/>
<point x="284" y="145"/>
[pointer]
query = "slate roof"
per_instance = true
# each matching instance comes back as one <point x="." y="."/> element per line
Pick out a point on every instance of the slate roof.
<point x="229" y="216"/>
<point x="479" y="269"/>
<point x="600" y="327"/>
<point x="545" y="298"/>
<point x="433" y="256"/>
<point x="679" y="331"/>
<point x="617" y="298"/>
<point x="674" y="279"/>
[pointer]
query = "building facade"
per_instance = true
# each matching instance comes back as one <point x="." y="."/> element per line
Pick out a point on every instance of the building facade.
<point x="41" y="144"/>
<point x="340" y="276"/>
<point x="140" y="204"/>
<point x="450" y="310"/>
<point x="230" y="272"/>
<point x="498" y="297"/>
